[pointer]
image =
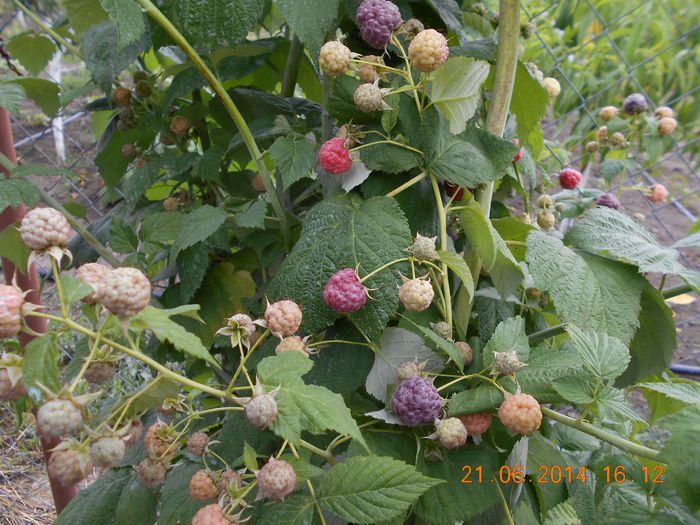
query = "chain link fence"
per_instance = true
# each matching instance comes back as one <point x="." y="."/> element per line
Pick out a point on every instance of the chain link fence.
<point x="68" y="142"/>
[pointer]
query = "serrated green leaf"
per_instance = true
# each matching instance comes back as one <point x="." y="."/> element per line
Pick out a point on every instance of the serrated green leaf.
<point x="455" y="90"/>
<point x="41" y="366"/>
<point x="285" y="369"/>
<point x="593" y="293"/>
<point x="33" y="51"/>
<point x="160" y="229"/>
<point x="198" y="226"/>
<point x="128" y="19"/>
<point x="12" y="96"/>
<point x="235" y="433"/>
<point x="688" y="393"/>
<point x="341" y="104"/>
<point x="99" y="501"/>
<point x="611" y="168"/>
<point x="388" y="158"/>
<point x="509" y="336"/>
<point x="450" y="13"/>
<point x="295" y="510"/>
<point x="682" y="458"/>
<point x="481" y="49"/>
<point x="112" y="164"/>
<point x="310" y="20"/>
<point x="122" y="238"/>
<point x="368" y="489"/>
<point x="528" y="103"/>
<point x="579" y="390"/>
<point x="151" y="396"/>
<point x="12" y="247"/>
<point x="250" y="457"/>
<point x="440" y="343"/>
<point x="603" y="355"/>
<point x="42" y="91"/>
<point x="192" y="266"/>
<point x="459" y="266"/>
<point x="546" y="366"/>
<point x="74" y="289"/>
<point x="83" y="14"/>
<point x="177" y="507"/>
<point x="253" y="216"/>
<point x="474" y="400"/>
<point x="294" y="158"/>
<point x="612" y="405"/>
<point x="14" y="192"/>
<point x="137" y="504"/>
<point x="208" y="165"/>
<point x="562" y="514"/>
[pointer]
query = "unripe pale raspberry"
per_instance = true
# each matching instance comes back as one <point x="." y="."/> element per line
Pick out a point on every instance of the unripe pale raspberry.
<point x="657" y="193"/>
<point x="157" y="440"/>
<point x="134" y="433"/>
<point x="602" y="134"/>
<point x="416" y="402"/>
<point x="44" y="228"/>
<point x="663" y="111"/>
<point x="344" y="292"/>
<point x="202" y="487"/>
<point x="261" y="410"/>
<point x="592" y="146"/>
<point x="107" y="452"/>
<point x="99" y="372"/>
<point x="68" y="466"/>
<point x="368" y="97"/>
<point x="618" y="140"/>
<point x="667" y="125"/>
<point x="257" y="183"/>
<point x="283" y="317"/>
<point x="545" y="201"/>
<point x="197" y="443"/>
<point x="428" y="51"/>
<point x="521" y="152"/>
<point x="423" y="248"/>
<point x="367" y="72"/>
<point x="608" y="200"/>
<point x="229" y="477"/>
<point x="546" y="220"/>
<point x="58" y="417"/>
<point x="634" y="104"/>
<point x="520" y="413"/>
<point x="416" y="294"/>
<point x="121" y="95"/>
<point x="92" y="274"/>
<point x="124" y="291"/>
<point x="11" y="301"/>
<point x="476" y="424"/>
<point x="142" y="89"/>
<point x="607" y="113"/>
<point x="506" y="363"/>
<point x="465" y="351"/>
<point x="377" y="20"/>
<point x="276" y="480"/>
<point x="552" y="86"/>
<point x="334" y="156"/>
<point x="179" y="125"/>
<point x="150" y="473"/>
<point x="451" y="433"/>
<point x="10" y="389"/>
<point x="211" y="515"/>
<point x="408" y="370"/>
<point x="442" y="329"/>
<point x="292" y="343"/>
<point x="569" y="178"/>
<point x="334" y="58"/>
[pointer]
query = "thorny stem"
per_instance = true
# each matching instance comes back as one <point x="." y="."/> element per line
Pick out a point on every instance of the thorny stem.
<point x="407" y="184"/>
<point x="442" y="216"/>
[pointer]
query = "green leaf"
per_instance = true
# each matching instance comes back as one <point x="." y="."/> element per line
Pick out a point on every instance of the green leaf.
<point x="579" y="390"/>
<point x="253" y="216"/>
<point x="346" y="232"/>
<point x="160" y="229"/>
<point x="481" y="49"/>
<point x="42" y="91"/>
<point x="440" y="343"/>
<point x="14" y="192"/>
<point x="459" y="266"/>
<point x="33" y="51"/>
<point x="137" y="504"/>
<point x="562" y="514"/>
<point x="546" y="366"/>
<point x="198" y="226"/>
<point x="612" y="405"/>
<point x="285" y="369"/>
<point x="450" y="13"/>
<point x="612" y="234"/>
<point x="208" y="165"/>
<point x="30" y="170"/>
<point x="128" y="19"/>
<point x="528" y="103"/>
<point x="295" y="510"/>
<point x="509" y="336"/>
<point x="455" y="90"/>
<point x="41" y="366"/>
<point x="310" y="20"/>
<point x="12" y="96"/>
<point x="210" y="24"/>
<point x="611" y="168"/>
<point x="250" y="457"/>
<point x="483" y="238"/>
<point x="12" y="247"/>
<point x="235" y="433"/>
<point x="341" y="104"/>
<point x="98" y="502"/>
<point x="482" y="398"/>
<point x="112" y="164"/>
<point x="593" y="293"/>
<point x="294" y="158"/>
<point x="177" y="507"/>
<point x="152" y="396"/>
<point x="122" y="237"/>
<point x="688" y="393"/>
<point x="388" y="158"/>
<point x="192" y="266"/>
<point x="74" y="289"/>
<point x="83" y="14"/>
<point x="368" y="489"/>
<point x="605" y="356"/>
<point x="166" y="330"/>
<point x="683" y="456"/>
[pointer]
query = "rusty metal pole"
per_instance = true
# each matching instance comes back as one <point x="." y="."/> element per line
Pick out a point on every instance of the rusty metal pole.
<point x="28" y="281"/>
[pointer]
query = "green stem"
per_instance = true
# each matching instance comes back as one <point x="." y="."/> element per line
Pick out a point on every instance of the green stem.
<point x="407" y="184"/>
<point x="291" y="71"/>
<point x="404" y="146"/>
<point x="336" y="341"/>
<point x="381" y="66"/>
<point x="408" y="75"/>
<point x="319" y="452"/>
<point x="604" y="435"/>
<point x="46" y="29"/>
<point x="384" y="267"/>
<point x="216" y="85"/>
<point x="88" y="360"/>
<point x="552" y="331"/>
<point x="244" y="360"/>
<point x="663" y="282"/>
<point x="59" y="286"/>
<point x="506" y="509"/>
<point x="442" y="217"/>
<point x="676" y="291"/>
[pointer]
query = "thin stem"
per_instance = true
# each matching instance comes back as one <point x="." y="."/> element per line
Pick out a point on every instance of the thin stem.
<point x="59" y="286"/>
<point x="552" y="331"/>
<point x="216" y="85"/>
<point x="319" y="452"/>
<point x="336" y="341"/>
<point x="310" y="487"/>
<point x="407" y="184"/>
<point x="88" y="360"/>
<point x="663" y="282"/>
<point x="404" y="146"/>
<point x="289" y="79"/>
<point x="409" y="75"/>
<point x="676" y="291"/>
<point x="604" y="435"/>
<point x="381" y="66"/>
<point x="506" y="509"/>
<point x="46" y="29"/>
<point x="436" y="285"/>
<point x="442" y="217"/>
<point x="244" y="359"/>
<point x="384" y="267"/>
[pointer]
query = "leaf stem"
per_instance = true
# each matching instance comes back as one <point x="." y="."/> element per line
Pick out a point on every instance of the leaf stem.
<point x="675" y="291"/>
<point x="506" y="509"/>
<point x="244" y="359"/>
<point x="408" y="75"/>
<point x="442" y="217"/>
<point x="393" y="142"/>
<point x="319" y="452"/>
<point x="384" y="267"/>
<point x="552" y="331"/>
<point x="407" y="184"/>
<point x="289" y="79"/>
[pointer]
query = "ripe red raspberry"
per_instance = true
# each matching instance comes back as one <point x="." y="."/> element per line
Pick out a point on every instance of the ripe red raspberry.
<point x="292" y="343"/>
<point x="377" y="20"/>
<point x="44" y="228"/>
<point x="158" y="439"/>
<point x="465" y="351"/>
<point x="608" y="200"/>
<point x="476" y="424"/>
<point x="607" y="113"/>
<point x="124" y="291"/>
<point x="663" y="111"/>
<point x="569" y="178"/>
<point x="520" y="413"/>
<point x="68" y="466"/>
<point x="451" y="433"/>
<point x="428" y="51"/>
<point x="334" y="156"/>
<point x="283" y="318"/>
<point x="202" y="487"/>
<point x="58" y="417"/>
<point x="416" y="402"/>
<point x="11" y="381"/>
<point x="344" y="292"/>
<point x="416" y="294"/>
<point x="92" y="274"/>
<point x="657" y="193"/>
<point x="107" y="452"/>
<point x="261" y="410"/>
<point x="368" y="97"/>
<point x="211" y="515"/>
<point x="667" y="125"/>
<point x="150" y="473"/>
<point x="197" y="443"/>
<point x="276" y="480"/>
<point x="334" y="58"/>
<point x="521" y="152"/>
<point x="11" y="301"/>
<point x="99" y="372"/>
<point x="453" y="191"/>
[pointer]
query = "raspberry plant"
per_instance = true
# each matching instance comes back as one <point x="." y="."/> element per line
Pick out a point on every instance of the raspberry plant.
<point x="351" y="310"/>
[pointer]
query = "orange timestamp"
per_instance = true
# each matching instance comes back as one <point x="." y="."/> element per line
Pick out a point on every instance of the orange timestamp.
<point x="556" y="474"/>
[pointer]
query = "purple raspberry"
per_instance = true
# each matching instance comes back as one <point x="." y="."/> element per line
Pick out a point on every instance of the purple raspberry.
<point x="344" y="292"/>
<point x="608" y="200"/>
<point x="634" y="104"/>
<point x="416" y="402"/>
<point x="377" y="19"/>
